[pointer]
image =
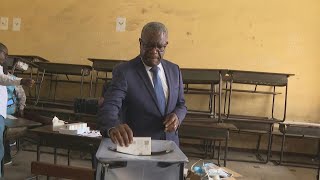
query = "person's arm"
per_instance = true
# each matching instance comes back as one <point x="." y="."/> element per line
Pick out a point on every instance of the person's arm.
<point x="181" y="108"/>
<point x="108" y="116"/>
<point x="21" y="95"/>
<point x="7" y="80"/>
<point x="174" y="119"/>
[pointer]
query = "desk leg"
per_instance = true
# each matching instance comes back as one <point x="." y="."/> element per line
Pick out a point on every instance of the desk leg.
<point x="229" y="100"/>
<point x="94" y="161"/>
<point x="205" y="148"/>
<point x="213" y="149"/>
<point x="50" y="86"/>
<point x="55" y="155"/>
<point x="273" y="98"/>
<point x="318" y="176"/>
<point x="258" y="156"/>
<point x="55" y="88"/>
<point x="91" y="81"/>
<point x="18" y="144"/>
<point x="38" y="152"/>
<point x="225" y="99"/>
<point x="219" y="100"/>
<point x="68" y="157"/>
<point x="219" y="153"/>
<point x="81" y="83"/>
<point x="96" y="84"/>
<point x="269" y="143"/>
<point x="285" y="104"/>
<point x="226" y="150"/>
<point x="211" y="106"/>
<point x="258" y="144"/>
<point x="282" y="146"/>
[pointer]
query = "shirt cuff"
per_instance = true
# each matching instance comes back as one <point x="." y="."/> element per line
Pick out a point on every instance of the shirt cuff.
<point x="109" y="131"/>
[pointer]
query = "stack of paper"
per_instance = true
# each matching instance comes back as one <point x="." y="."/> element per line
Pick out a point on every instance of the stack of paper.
<point x="74" y="128"/>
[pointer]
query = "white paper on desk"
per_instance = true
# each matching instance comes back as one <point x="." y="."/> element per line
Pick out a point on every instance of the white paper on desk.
<point x="139" y="146"/>
<point x="57" y="124"/>
<point x="11" y="117"/>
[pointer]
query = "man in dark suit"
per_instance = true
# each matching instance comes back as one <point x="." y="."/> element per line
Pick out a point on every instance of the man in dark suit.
<point x="147" y="91"/>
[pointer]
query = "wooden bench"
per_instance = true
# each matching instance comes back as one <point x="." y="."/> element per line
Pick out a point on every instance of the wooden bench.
<point x="254" y="124"/>
<point x="209" y="131"/>
<point x="62" y="171"/>
<point x="299" y="130"/>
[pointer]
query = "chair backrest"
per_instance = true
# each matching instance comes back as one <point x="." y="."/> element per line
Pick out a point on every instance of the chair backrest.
<point x="62" y="171"/>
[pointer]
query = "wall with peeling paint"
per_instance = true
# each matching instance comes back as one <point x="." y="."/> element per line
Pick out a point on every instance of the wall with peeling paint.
<point x="260" y="35"/>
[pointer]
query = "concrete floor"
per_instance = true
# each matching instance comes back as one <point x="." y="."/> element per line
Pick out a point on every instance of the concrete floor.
<point x="20" y="168"/>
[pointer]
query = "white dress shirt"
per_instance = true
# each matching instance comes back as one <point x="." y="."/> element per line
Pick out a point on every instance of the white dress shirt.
<point x="5" y="81"/>
<point x="163" y="79"/>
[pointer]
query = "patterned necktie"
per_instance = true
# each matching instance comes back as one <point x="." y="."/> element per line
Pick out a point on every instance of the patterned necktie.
<point x="158" y="89"/>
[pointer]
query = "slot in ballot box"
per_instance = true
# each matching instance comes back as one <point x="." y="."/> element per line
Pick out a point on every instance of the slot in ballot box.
<point x="166" y="162"/>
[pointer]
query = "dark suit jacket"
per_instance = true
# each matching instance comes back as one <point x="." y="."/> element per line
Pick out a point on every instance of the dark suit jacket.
<point x="131" y="94"/>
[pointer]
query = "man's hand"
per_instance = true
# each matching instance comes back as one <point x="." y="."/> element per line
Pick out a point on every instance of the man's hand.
<point x="121" y="134"/>
<point x="171" y="123"/>
<point x="27" y="82"/>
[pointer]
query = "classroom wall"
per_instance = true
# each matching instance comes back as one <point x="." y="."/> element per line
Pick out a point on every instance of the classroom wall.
<point x="258" y="35"/>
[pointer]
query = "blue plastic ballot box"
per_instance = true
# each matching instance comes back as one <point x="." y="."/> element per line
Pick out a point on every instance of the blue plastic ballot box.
<point x="165" y="162"/>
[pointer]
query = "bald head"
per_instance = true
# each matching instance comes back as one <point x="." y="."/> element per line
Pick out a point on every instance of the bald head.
<point x="154" y="27"/>
<point x="153" y="42"/>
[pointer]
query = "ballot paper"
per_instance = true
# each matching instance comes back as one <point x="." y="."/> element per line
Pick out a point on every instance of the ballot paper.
<point x="139" y="146"/>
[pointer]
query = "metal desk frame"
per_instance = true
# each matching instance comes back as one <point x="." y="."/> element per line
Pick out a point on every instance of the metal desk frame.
<point x="65" y="69"/>
<point x="297" y="133"/>
<point x="102" y="65"/>
<point x="220" y="132"/>
<point x="256" y="78"/>
<point x="210" y="77"/>
<point x="54" y="139"/>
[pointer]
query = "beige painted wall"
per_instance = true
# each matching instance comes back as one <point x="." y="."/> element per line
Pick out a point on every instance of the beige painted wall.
<point x="260" y="35"/>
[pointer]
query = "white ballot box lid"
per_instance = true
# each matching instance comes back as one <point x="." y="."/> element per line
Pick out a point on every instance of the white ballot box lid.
<point x="173" y="154"/>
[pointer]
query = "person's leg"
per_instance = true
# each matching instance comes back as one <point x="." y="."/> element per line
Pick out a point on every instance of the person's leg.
<point x="1" y="143"/>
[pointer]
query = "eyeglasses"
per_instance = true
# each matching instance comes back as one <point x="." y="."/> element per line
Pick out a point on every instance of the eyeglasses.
<point x="159" y="47"/>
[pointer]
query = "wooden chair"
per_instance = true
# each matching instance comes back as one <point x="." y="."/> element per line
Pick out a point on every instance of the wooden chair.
<point x="62" y="171"/>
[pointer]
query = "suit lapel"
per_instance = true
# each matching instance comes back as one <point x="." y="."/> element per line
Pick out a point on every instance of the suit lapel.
<point x="141" y="70"/>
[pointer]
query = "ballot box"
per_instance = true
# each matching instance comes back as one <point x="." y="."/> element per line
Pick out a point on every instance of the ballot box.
<point x="165" y="162"/>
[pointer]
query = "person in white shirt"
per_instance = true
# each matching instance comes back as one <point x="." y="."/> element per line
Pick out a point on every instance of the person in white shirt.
<point x="6" y="80"/>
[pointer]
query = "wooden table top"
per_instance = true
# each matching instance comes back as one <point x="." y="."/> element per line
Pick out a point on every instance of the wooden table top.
<point x="20" y="122"/>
